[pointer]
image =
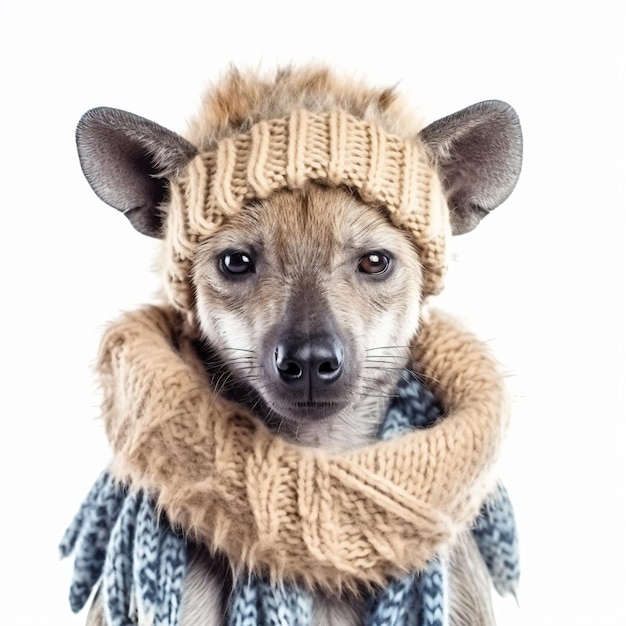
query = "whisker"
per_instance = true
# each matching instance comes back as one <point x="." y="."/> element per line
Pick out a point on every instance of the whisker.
<point x="388" y="348"/>
<point x="372" y="379"/>
<point x="383" y="396"/>
<point x="384" y="369"/>
<point x="391" y="365"/>
<point x="385" y="359"/>
<point x="350" y="423"/>
<point x="239" y="350"/>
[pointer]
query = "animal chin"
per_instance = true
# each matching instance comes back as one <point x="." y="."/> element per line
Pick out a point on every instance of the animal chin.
<point x="308" y="411"/>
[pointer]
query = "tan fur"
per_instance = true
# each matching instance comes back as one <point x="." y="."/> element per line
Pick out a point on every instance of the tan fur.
<point x="309" y="247"/>
<point x="309" y="242"/>
<point x="293" y="227"/>
<point x="95" y="617"/>
<point x="315" y="238"/>
<point x="242" y="98"/>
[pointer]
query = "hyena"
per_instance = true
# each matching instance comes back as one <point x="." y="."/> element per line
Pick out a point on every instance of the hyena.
<point x="307" y="300"/>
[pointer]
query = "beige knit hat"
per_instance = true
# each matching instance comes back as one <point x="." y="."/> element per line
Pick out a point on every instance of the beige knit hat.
<point x="255" y="136"/>
<point x="333" y="149"/>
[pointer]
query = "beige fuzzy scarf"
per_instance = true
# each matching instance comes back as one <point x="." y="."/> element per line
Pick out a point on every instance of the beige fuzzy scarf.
<point x="332" y="519"/>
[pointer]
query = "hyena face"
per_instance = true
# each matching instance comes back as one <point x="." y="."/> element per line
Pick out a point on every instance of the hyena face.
<point x="310" y="300"/>
<point x="307" y="299"/>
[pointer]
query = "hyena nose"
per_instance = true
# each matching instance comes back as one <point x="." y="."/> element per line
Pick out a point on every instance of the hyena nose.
<point x="310" y="364"/>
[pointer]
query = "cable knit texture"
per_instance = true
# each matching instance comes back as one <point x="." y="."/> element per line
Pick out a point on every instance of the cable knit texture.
<point x="294" y="513"/>
<point x="332" y="148"/>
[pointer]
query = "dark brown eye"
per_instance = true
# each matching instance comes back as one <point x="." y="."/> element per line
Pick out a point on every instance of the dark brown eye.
<point x="374" y="263"/>
<point x="236" y="262"/>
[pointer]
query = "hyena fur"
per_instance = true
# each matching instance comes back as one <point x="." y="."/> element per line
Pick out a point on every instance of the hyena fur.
<point x="313" y="281"/>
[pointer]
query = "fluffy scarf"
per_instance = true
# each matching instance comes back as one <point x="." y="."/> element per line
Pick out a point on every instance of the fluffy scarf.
<point x="189" y="464"/>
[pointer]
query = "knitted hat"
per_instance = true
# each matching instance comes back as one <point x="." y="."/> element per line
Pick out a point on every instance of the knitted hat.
<point x="256" y="135"/>
<point x="333" y="149"/>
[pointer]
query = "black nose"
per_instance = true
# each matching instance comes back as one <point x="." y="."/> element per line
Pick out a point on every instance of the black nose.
<point x="310" y="364"/>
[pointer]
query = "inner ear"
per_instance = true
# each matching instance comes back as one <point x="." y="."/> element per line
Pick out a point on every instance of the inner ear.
<point x="127" y="160"/>
<point x="478" y="153"/>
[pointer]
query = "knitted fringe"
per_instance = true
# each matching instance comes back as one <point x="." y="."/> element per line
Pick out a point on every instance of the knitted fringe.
<point x="417" y="600"/>
<point x="89" y="534"/>
<point x="257" y="603"/>
<point x="495" y="533"/>
<point x="139" y="560"/>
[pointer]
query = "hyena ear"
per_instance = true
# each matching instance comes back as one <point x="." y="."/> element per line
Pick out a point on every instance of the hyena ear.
<point x="126" y="159"/>
<point x="478" y="152"/>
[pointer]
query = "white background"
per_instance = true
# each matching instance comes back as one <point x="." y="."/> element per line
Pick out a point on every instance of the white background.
<point x="540" y="279"/>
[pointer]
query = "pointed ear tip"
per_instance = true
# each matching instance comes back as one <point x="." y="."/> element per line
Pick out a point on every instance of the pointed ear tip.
<point x="98" y="118"/>
<point x="501" y="107"/>
<point x="89" y="120"/>
<point x="90" y="115"/>
<point x="496" y="102"/>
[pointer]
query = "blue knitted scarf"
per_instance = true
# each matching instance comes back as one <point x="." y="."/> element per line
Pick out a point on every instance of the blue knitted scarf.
<point x="121" y="542"/>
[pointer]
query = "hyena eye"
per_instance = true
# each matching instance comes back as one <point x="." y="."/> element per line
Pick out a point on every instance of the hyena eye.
<point x="236" y="262"/>
<point x="374" y="263"/>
